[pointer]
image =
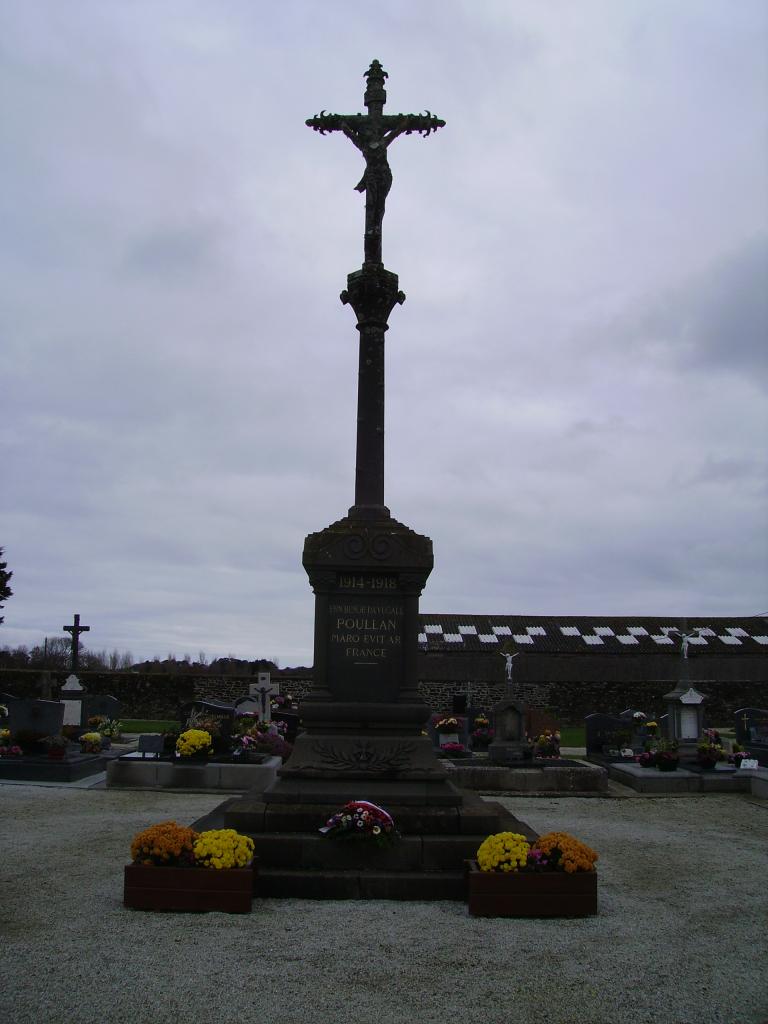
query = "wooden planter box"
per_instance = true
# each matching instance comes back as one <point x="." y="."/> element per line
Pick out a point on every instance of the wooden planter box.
<point x="524" y="894"/>
<point x="156" y="888"/>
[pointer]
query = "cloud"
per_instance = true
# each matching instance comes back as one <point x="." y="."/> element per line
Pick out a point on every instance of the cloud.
<point x="573" y="408"/>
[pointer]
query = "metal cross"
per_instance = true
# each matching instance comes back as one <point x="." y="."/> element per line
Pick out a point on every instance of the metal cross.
<point x="372" y="133"/>
<point x="75" y="629"/>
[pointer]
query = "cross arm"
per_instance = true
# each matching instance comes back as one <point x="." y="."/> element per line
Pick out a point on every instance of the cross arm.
<point x="323" y="122"/>
<point x="404" y="124"/>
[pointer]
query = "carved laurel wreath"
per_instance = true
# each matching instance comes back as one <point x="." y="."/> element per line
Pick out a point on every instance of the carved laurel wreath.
<point x="363" y="755"/>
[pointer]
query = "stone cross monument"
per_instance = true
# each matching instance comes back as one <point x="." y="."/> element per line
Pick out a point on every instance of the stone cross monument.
<point x="364" y="717"/>
<point x="363" y="720"/>
<point x="75" y="629"/>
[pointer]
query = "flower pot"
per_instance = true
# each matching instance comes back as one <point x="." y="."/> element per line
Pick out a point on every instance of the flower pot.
<point x="530" y="894"/>
<point x="667" y="766"/>
<point x="56" y="753"/>
<point x="154" y="888"/>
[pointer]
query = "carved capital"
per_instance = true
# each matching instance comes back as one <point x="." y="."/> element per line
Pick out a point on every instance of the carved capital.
<point x="357" y="543"/>
<point x="373" y="293"/>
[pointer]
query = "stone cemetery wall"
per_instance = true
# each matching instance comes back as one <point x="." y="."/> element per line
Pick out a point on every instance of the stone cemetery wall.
<point x="568" y="688"/>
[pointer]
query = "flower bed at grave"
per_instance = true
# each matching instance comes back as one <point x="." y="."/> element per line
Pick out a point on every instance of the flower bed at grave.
<point x="176" y="868"/>
<point x="553" y="877"/>
<point x="194" y="743"/>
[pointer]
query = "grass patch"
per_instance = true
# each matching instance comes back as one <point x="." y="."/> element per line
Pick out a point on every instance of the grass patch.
<point x="573" y="736"/>
<point x="148" y="724"/>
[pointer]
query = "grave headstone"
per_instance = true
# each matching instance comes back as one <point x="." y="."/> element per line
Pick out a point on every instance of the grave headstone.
<point x="461" y="735"/>
<point x="685" y="708"/>
<point x="248" y="706"/>
<point x="41" y="716"/>
<point x="606" y="733"/>
<point x="72" y="693"/>
<point x="752" y="725"/>
<point x="151" y="743"/>
<point x="100" y="704"/>
<point x="509" y="744"/>
<point x="752" y="732"/>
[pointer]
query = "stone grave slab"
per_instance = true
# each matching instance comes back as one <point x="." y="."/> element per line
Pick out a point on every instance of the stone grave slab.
<point x="43" y="716"/>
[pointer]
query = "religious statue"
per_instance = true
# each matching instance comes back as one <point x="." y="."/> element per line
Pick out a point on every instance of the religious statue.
<point x="509" y="658"/>
<point x="372" y="133"/>
<point x="685" y="638"/>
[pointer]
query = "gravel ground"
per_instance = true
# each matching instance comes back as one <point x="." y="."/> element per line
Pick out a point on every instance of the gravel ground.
<point x="681" y="937"/>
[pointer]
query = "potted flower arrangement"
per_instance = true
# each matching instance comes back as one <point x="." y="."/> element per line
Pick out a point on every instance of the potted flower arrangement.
<point x="8" y="749"/>
<point x="547" y="744"/>
<point x="362" y="821"/>
<point x="667" y="756"/>
<point x="176" y="868"/>
<point x="553" y="877"/>
<point x="111" y="728"/>
<point x="651" y="728"/>
<point x="260" y="744"/>
<point x="57" y="747"/>
<point x="90" y="743"/>
<point x="710" y="749"/>
<point x="737" y="755"/>
<point x="482" y="738"/>
<point x="454" y="750"/>
<point x="194" y="745"/>
<point x="708" y="754"/>
<point x="447" y="727"/>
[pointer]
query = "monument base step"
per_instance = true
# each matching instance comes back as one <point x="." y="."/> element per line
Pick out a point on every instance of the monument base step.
<point x="472" y="817"/>
<point x="427" y="862"/>
<point x="284" y="883"/>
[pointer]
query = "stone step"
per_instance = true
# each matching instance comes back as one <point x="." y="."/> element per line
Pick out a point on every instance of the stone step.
<point x="361" y="885"/>
<point x="319" y="853"/>
<point x="474" y="817"/>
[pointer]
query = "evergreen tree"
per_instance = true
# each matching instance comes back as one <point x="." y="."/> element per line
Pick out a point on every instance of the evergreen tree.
<point x="5" y="590"/>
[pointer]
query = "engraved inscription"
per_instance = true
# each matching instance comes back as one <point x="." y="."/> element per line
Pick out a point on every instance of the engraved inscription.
<point x="365" y="631"/>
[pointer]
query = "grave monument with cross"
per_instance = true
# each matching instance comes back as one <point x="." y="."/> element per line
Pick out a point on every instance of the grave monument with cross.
<point x="363" y="720"/>
<point x="75" y="629"/>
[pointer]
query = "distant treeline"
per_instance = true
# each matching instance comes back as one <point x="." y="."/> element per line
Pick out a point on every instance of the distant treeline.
<point x="54" y="654"/>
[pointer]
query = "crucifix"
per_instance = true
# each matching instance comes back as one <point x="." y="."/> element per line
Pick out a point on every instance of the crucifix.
<point x="75" y="629"/>
<point x="263" y="691"/>
<point x="372" y="291"/>
<point x="372" y="134"/>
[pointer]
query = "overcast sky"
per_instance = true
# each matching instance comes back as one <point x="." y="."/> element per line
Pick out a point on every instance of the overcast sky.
<point x="576" y="384"/>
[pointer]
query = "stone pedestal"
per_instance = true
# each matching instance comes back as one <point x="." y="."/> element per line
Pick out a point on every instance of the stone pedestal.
<point x="363" y="737"/>
<point x="364" y="718"/>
